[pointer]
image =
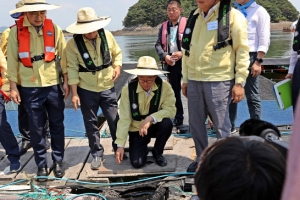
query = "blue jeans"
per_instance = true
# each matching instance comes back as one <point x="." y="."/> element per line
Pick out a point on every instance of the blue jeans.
<point x="252" y="95"/>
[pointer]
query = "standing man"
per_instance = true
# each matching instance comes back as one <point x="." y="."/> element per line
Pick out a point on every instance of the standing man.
<point x="258" y="42"/>
<point x="214" y="67"/>
<point x="7" y="138"/>
<point x="168" y="48"/>
<point x="33" y="46"/>
<point x="94" y="60"/>
<point x="294" y="68"/>
<point x="144" y="114"/>
<point x="22" y="115"/>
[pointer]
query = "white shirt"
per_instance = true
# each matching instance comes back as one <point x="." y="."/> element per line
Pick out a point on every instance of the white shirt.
<point x="258" y="28"/>
<point x="293" y="61"/>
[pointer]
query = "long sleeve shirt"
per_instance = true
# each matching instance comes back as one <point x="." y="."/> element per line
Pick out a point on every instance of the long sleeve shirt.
<point x="126" y="124"/>
<point x="293" y="60"/>
<point x="100" y="81"/>
<point x="258" y="28"/>
<point x="4" y="40"/>
<point x="206" y="64"/>
<point x="42" y="74"/>
<point x="3" y="68"/>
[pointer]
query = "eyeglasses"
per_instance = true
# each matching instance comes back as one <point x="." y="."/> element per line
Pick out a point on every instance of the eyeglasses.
<point x="146" y="81"/>
<point x="172" y="10"/>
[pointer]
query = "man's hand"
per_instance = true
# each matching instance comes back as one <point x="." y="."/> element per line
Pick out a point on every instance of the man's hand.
<point x="75" y="101"/>
<point x="169" y="61"/>
<point x="145" y="125"/>
<point x="184" y="89"/>
<point x="119" y="154"/>
<point x="177" y="55"/>
<point x="237" y="93"/>
<point x="256" y="69"/>
<point x="116" y="74"/>
<point x="66" y="88"/>
<point x="15" y="95"/>
<point x="290" y="76"/>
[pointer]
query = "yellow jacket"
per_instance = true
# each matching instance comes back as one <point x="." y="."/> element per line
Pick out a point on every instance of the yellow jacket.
<point x="166" y="109"/>
<point x="42" y="74"/>
<point x="3" y="68"/>
<point x="4" y="40"/>
<point x="101" y="80"/>
<point x="206" y="64"/>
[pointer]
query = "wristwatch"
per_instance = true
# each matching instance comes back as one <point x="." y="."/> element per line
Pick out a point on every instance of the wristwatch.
<point x="260" y="60"/>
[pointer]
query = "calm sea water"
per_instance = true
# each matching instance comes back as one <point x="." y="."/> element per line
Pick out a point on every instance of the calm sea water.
<point x="134" y="47"/>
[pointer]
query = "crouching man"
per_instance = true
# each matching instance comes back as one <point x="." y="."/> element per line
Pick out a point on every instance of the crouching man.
<point x="147" y="105"/>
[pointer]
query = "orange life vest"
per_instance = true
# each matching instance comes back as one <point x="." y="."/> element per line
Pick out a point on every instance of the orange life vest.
<point x="0" y="81"/>
<point x="24" y="42"/>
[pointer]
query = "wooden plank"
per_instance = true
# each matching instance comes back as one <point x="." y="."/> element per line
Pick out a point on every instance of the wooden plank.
<point x="31" y="167"/>
<point x="169" y="145"/>
<point x="5" y="163"/>
<point x="75" y="156"/>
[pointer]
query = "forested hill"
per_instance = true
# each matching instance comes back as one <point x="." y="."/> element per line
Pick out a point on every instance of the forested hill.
<point x="153" y="12"/>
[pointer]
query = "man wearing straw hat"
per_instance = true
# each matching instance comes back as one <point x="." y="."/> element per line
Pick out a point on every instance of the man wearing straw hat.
<point x="22" y="115"/>
<point x="145" y="114"/>
<point x="33" y="46"/>
<point x="94" y="60"/>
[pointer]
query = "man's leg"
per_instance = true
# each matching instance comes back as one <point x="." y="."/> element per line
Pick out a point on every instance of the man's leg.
<point x="232" y="115"/>
<point x="89" y="108"/>
<point x="138" y="149"/>
<point x="8" y="139"/>
<point x="252" y="92"/>
<point x="55" y="106"/>
<point x="197" y="108"/>
<point x="109" y="107"/>
<point x="175" y="81"/>
<point x="218" y="98"/>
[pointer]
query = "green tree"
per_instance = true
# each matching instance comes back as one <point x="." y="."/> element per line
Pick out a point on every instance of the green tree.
<point x="153" y="12"/>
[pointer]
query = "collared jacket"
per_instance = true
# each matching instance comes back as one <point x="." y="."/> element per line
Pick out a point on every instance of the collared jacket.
<point x="42" y="74"/>
<point x="3" y="67"/>
<point x="4" y="40"/>
<point x="166" y="109"/>
<point x="206" y="64"/>
<point x="101" y="80"/>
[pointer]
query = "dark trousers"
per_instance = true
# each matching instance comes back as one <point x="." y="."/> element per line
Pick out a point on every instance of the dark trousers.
<point x="90" y="103"/>
<point x="175" y="81"/>
<point x="7" y="137"/>
<point x="138" y="149"/>
<point x="252" y="95"/>
<point x="23" y="121"/>
<point x="37" y="101"/>
<point x="296" y="84"/>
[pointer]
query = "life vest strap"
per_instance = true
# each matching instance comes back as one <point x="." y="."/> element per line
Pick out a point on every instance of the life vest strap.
<point x="222" y="44"/>
<point x="84" y="69"/>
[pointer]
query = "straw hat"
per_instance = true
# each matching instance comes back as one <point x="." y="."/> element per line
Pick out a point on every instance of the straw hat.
<point x="146" y="67"/>
<point x="87" y="22"/>
<point x="34" y="5"/>
<point x="18" y="5"/>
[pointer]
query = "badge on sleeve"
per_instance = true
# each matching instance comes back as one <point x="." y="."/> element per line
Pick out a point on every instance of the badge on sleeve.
<point x="134" y="106"/>
<point x="86" y="55"/>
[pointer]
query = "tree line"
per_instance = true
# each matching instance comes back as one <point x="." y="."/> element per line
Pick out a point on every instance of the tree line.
<point x="154" y="12"/>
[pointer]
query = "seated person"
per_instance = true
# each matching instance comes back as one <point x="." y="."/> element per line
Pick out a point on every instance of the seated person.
<point x="147" y="105"/>
<point x="240" y="168"/>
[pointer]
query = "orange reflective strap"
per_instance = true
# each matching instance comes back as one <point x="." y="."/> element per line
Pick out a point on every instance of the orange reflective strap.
<point x="49" y="41"/>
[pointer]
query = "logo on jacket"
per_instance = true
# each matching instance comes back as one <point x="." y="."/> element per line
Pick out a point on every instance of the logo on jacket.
<point x="86" y="55"/>
<point x="296" y="33"/>
<point x="134" y="106"/>
<point x="188" y="31"/>
<point x="49" y="33"/>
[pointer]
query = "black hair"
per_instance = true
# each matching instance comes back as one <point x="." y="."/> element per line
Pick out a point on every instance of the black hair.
<point x="175" y="1"/>
<point x="240" y="169"/>
<point x="256" y="127"/>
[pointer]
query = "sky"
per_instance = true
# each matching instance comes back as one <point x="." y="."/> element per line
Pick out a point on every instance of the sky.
<point x="67" y="14"/>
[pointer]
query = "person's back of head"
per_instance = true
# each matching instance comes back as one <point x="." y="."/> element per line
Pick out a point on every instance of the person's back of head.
<point x="240" y="169"/>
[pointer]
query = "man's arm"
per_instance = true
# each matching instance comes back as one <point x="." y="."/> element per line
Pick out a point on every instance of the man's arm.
<point x="293" y="61"/>
<point x="116" y="54"/>
<point x="159" y="48"/>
